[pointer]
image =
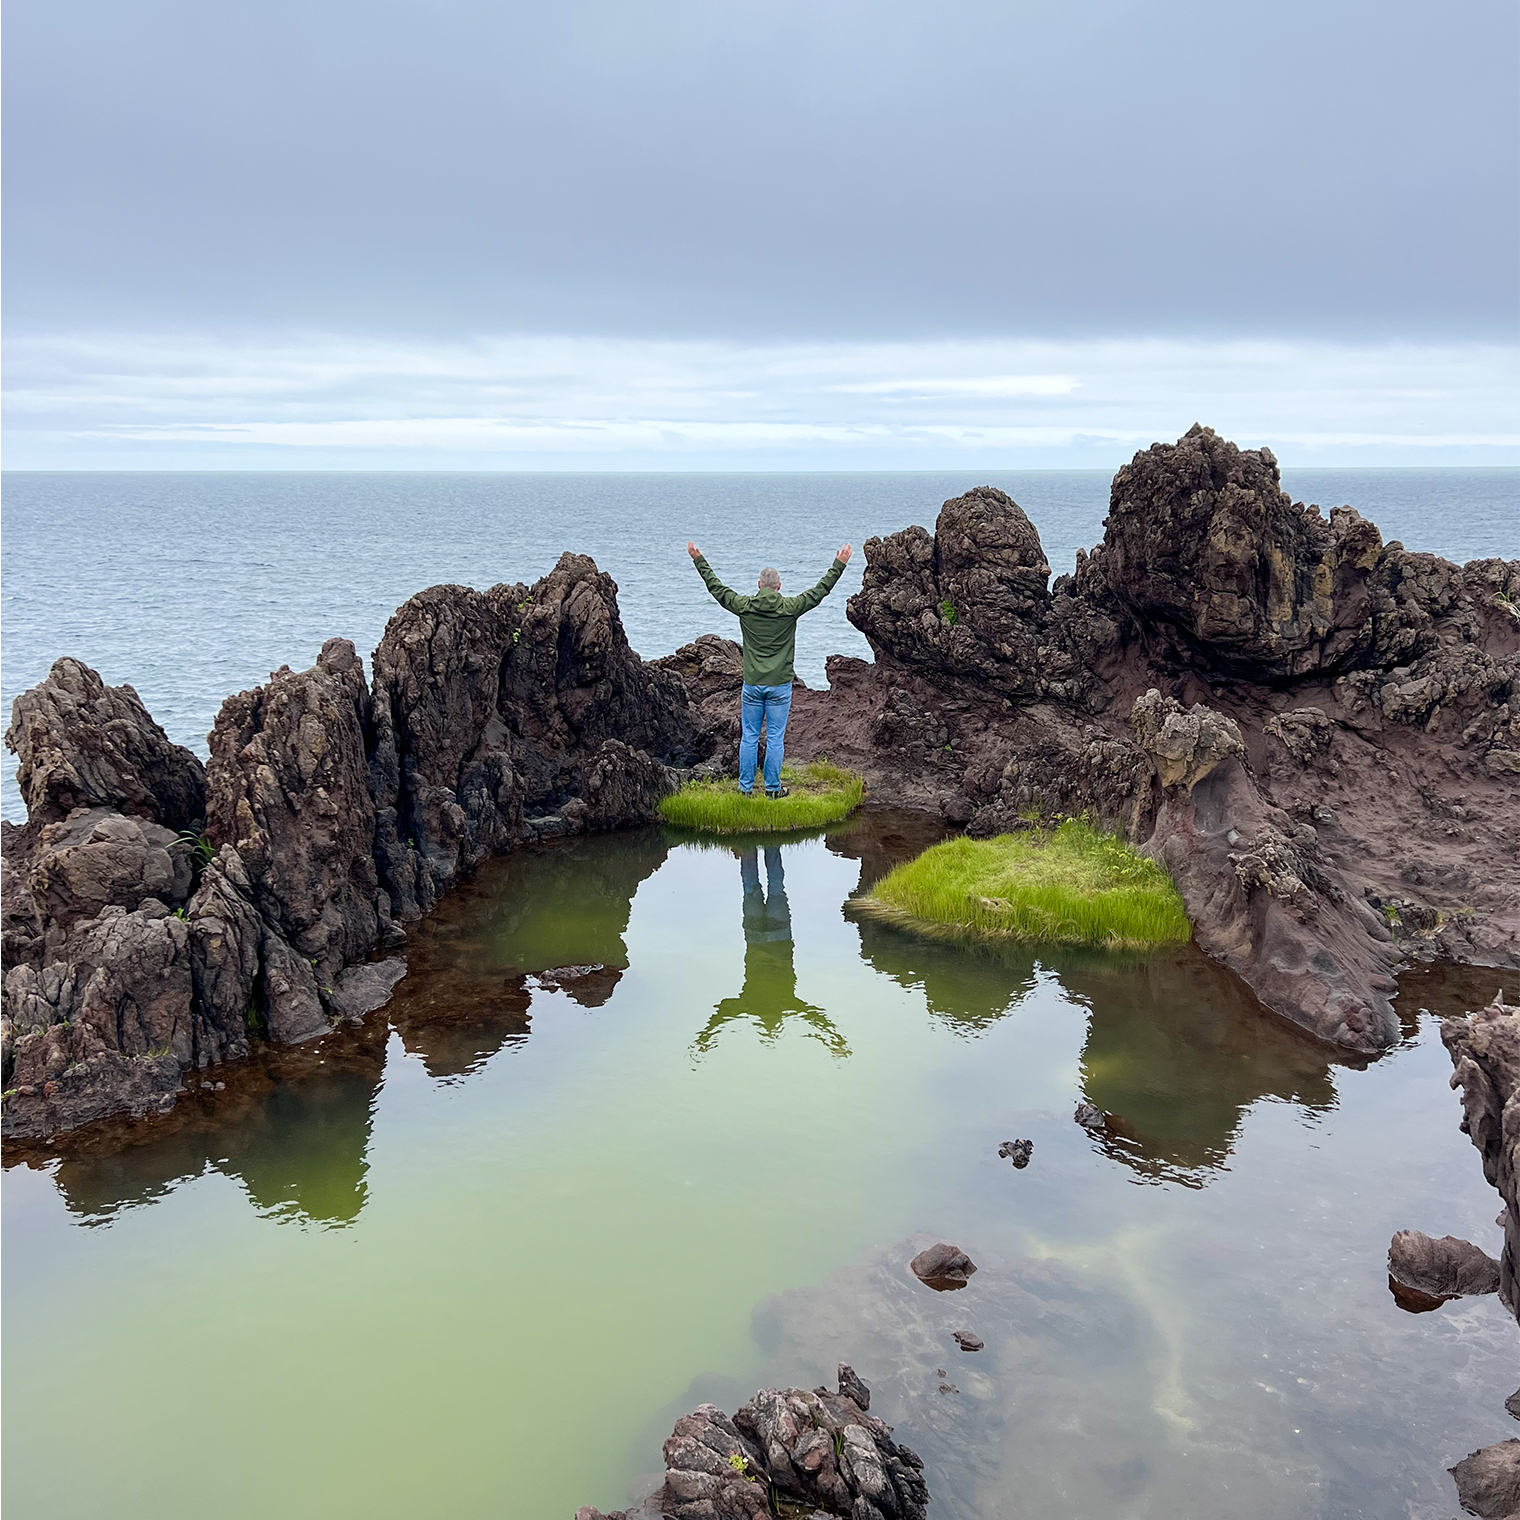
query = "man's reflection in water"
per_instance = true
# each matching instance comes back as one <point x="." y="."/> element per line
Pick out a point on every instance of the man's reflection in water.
<point x="769" y="996"/>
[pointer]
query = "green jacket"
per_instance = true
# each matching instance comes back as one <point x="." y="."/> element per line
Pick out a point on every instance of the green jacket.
<point x="769" y="623"/>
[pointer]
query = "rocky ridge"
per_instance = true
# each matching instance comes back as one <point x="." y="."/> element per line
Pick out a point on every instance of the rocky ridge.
<point x="1317" y="732"/>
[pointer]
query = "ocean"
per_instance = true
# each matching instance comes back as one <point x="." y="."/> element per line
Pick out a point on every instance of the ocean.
<point x="194" y="586"/>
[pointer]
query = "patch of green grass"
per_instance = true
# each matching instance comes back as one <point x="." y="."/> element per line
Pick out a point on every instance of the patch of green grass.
<point x="1073" y="885"/>
<point x="820" y="793"/>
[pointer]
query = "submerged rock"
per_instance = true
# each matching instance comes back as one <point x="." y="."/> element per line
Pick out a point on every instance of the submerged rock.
<point x="1017" y="1151"/>
<point x="967" y="1341"/>
<point x="943" y="1266"/>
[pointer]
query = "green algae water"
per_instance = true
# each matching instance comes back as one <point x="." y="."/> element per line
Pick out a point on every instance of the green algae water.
<point x="473" y="1259"/>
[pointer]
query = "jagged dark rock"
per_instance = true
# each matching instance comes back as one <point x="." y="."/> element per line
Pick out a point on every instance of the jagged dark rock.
<point x="1444" y="1268"/>
<point x="1017" y="1151"/>
<point x="288" y="788"/>
<point x="817" y="1452"/>
<point x="80" y="743"/>
<point x="515" y="703"/>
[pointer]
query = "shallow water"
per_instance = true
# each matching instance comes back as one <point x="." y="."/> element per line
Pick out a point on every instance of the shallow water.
<point x="474" y="1258"/>
<point x="194" y="586"/>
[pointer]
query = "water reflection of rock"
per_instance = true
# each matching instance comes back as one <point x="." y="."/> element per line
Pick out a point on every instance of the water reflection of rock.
<point x="467" y="996"/>
<point x="769" y="997"/>
<point x="293" y="1125"/>
<point x="1177" y="1050"/>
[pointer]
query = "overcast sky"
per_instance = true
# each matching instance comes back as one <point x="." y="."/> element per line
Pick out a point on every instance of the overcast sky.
<point x="684" y="235"/>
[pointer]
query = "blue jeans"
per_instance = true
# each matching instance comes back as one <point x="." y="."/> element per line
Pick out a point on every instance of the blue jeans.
<point x="771" y="705"/>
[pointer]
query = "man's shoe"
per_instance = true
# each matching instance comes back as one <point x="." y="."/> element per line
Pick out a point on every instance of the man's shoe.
<point x="778" y="794"/>
<point x="744" y="793"/>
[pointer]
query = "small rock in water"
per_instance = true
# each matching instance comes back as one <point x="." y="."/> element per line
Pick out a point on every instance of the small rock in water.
<point x="1091" y="1118"/>
<point x="943" y="1266"/>
<point x="948" y="1388"/>
<point x="557" y="976"/>
<point x="967" y="1341"/>
<point x="1440" y="1269"/>
<point x="940" y="1372"/>
<point x="1017" y="1151"/>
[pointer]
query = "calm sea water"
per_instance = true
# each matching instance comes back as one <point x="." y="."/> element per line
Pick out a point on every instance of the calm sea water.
<point x="473" y="1259"/>
<point x="191" y="587"/>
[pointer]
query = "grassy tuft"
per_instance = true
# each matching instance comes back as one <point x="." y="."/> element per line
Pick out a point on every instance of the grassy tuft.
<point x="1074" y="885"/>
<point x="820" y="793"/>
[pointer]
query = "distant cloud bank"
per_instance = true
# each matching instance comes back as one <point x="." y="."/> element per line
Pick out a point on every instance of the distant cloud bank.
<point x="162" y="401"/>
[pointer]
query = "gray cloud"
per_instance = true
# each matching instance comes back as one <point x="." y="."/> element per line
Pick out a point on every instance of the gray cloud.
<point x="765" y="169"/>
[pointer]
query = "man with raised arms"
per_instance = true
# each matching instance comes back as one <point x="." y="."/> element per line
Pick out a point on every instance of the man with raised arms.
<point x="768" y="622"/>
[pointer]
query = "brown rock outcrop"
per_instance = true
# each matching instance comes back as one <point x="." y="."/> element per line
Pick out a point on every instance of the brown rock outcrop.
<point x="288" y="789"/>
<point x="1488" y="1481"/>
<point x="492" y="716"/>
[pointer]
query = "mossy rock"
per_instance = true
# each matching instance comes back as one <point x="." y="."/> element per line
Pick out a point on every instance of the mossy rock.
<point x="820" y="794"/>
<point x="1072" y="885"/>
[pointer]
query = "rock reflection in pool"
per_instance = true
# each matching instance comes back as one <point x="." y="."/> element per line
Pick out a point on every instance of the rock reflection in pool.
<point x="769" y="995"/>
<point x="466" y="996"/>
<point x="293" y="1126"/>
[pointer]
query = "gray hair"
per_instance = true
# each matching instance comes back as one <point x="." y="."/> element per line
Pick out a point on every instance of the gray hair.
<point x="770" y="579"/>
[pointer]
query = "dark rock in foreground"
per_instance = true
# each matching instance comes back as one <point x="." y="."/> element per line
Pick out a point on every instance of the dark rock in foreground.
<point x="1441" y="1269"/>
<point x="1017" y="1151"/>
<point x="815" y="1453"/>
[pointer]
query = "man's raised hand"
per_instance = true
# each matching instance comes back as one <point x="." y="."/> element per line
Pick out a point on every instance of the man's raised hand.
<point x="844" y="555"/>
<point x="692" y="550"/>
